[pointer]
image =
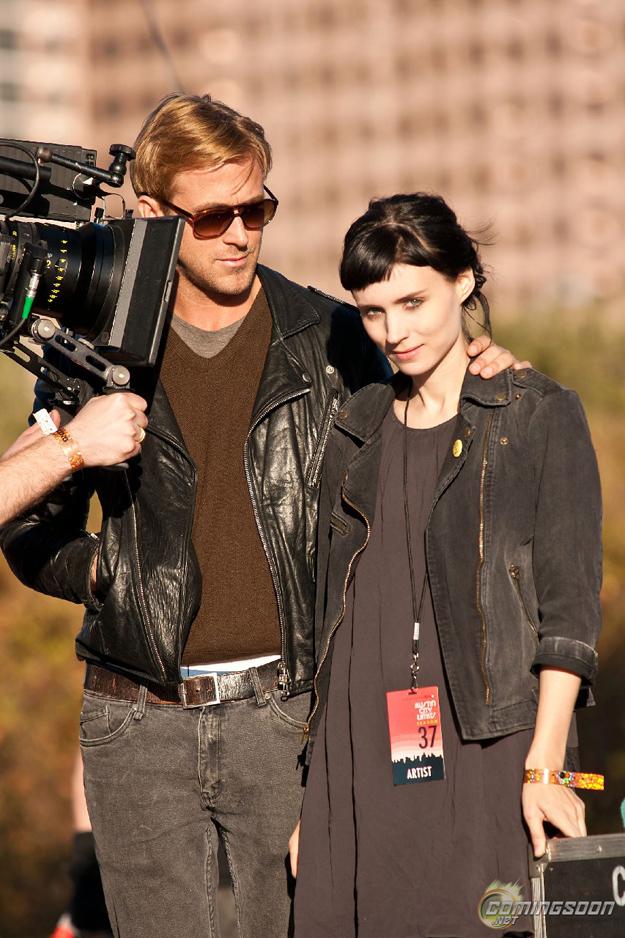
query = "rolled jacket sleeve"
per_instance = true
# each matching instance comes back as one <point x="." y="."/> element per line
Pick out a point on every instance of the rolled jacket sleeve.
<point x="567" y="540"/>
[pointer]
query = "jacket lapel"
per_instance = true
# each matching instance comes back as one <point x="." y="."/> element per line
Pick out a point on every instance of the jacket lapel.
<point x="283" y="377"/>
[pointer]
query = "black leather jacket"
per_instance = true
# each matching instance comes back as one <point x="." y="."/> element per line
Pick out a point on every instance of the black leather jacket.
<point x="513" y="542"/>
<point x="148" y="580"/>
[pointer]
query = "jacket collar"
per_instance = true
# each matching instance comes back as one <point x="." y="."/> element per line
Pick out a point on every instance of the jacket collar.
<point x="491" y="392"/>
<point x="363" y="413"/>
<point x="290" y="309"/>
<point x="283" y="376"/>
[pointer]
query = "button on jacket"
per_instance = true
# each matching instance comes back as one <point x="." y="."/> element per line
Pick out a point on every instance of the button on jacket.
<point x="513" y="542"/>
<point x="148" y="580"/>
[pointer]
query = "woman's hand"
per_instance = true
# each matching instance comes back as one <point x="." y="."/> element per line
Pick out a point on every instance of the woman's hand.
<point x="556" y="804"/>
<point x="294" y="850"/>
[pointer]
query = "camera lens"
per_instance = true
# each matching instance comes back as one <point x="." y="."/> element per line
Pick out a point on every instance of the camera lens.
<point x="82" y="272"/>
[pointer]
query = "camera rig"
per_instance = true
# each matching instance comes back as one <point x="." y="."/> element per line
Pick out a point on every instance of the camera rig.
<point x="93" y="292"/>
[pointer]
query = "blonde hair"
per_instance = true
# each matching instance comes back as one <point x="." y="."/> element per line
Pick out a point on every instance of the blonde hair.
<point x="187" y="131"/>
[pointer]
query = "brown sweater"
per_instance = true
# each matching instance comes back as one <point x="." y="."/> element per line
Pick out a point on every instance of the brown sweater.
<point x="212" y="399"/>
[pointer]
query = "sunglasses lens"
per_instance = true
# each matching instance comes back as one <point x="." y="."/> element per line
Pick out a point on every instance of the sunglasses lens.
<point x="213" y="224"/>
<point x="257" y="215"/>
<point x="269" y="206"/>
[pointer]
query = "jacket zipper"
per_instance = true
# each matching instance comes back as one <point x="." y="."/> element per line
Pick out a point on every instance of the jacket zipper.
<point x="176" y="445"/>
<point x="142" y="602"/>
<point x="284" y="678"/>
<point x="515" y="573"/>
<point x="315" y="469"/>
<point x="342" y="613"/>
<point x="484" y="640"/>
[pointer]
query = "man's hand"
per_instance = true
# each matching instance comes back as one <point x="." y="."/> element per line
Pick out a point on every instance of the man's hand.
<point x="110" y="429"/>
<point x="107" y="430"/>
<point x="294" y="850"/>
<point x="30" y="436"/>
<point x="491" y="358"/>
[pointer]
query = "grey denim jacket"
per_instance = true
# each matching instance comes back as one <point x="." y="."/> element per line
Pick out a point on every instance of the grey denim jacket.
<point x="513" y="542"/>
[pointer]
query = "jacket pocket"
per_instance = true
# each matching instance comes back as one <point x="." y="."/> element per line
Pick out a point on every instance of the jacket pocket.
<point x="316" y="463"/>
<point x="515" y="575"/>
<point x="103" y="574"/>
<point x="338" y="524"/>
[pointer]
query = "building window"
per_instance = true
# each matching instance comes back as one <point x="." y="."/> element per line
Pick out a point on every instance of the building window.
<point x="438" y="58"/>
<point x="553" y="43"/>
<point x="476" y="112"/>
<point x="322" y="17"/>
<point x="328" y="76"/>
<point x="561" y="229"/>
<point x="8" y="39"/>
<point x="440" y="122"/>
<point x="409" y="125"/>
<point x="515" y="49"/>
<point x="558" y="165"/>
<point x="406" y="65"/>
<point x="481" y="177"/>
<point x="110" y="107"/>
<point x="365" y="131"/>
<point x="107" y="47"/>
<point x="475" y="52"/>
<point x="9" y="91"/>
<point x="555" y="104"/>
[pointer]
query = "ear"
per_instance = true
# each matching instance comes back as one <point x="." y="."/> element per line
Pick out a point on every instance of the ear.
<point x="465" y="284"/>
<point x="148" y="207"/>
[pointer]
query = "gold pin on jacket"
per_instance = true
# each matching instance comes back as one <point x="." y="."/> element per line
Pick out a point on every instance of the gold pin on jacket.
<point x="457" y="448"/>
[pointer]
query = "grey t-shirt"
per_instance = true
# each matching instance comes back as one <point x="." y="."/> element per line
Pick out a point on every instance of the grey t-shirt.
<point x="204" y="342"/>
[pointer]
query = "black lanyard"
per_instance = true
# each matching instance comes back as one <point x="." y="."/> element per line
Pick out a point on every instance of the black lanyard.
<point x="417" y="605"/>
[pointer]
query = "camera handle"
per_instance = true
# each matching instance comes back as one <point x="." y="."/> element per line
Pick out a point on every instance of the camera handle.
<point x="113" y="176"/>
<point x="81" y="353"/>
<point x="44" y="331"/>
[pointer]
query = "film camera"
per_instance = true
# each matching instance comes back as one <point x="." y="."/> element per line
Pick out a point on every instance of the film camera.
<point x="94" y="292"/>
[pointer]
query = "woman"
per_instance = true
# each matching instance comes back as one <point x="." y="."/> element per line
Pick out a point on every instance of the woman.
<point x="473" y="510"/>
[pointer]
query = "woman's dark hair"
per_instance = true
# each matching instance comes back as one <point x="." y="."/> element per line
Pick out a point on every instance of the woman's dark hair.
<point x="418" y="229"/>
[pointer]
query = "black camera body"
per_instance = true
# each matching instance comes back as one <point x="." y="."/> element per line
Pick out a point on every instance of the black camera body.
<point x="57" y="197"/>
<point x="96" y="291"/>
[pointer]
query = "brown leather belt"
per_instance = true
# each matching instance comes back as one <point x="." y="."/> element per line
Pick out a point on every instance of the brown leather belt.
<point x="203" y="690"/>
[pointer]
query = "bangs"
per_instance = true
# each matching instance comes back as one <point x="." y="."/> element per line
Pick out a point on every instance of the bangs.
<point x="370" y="255"/>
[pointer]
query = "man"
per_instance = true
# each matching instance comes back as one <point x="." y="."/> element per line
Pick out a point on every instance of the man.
<point x="198" y="626"/>
<point x="107" y="430"/>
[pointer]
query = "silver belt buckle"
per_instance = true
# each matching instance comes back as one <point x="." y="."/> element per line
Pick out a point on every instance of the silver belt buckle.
<point x="200" y="681"/>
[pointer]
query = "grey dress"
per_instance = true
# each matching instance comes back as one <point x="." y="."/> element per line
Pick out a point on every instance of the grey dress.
<point x="406" y="861"/>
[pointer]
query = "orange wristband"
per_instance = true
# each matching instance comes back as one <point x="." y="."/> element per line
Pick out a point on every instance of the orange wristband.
<point x="70" y="447"/>
<point x="569" y="779"/>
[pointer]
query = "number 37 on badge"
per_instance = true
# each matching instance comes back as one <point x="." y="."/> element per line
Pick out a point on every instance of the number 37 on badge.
<point x="416" y="737"/>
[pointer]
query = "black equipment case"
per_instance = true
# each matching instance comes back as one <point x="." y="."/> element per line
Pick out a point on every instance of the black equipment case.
<point x="578" y="888"/>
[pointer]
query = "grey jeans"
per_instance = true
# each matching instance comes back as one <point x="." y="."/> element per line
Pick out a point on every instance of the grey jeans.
<point x="163" y="784"/>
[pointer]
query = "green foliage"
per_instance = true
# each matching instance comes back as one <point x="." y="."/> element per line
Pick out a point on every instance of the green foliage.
<point x="583" y="354"/>
<point x="16" y="398"/>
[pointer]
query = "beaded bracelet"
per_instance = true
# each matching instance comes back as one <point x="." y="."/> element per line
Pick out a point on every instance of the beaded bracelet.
<point x="70" y="447"/>
<point x="569" y="779"/>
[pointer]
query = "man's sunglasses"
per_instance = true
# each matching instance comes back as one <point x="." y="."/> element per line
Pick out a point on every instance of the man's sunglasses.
<point x="210" y="223"/>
